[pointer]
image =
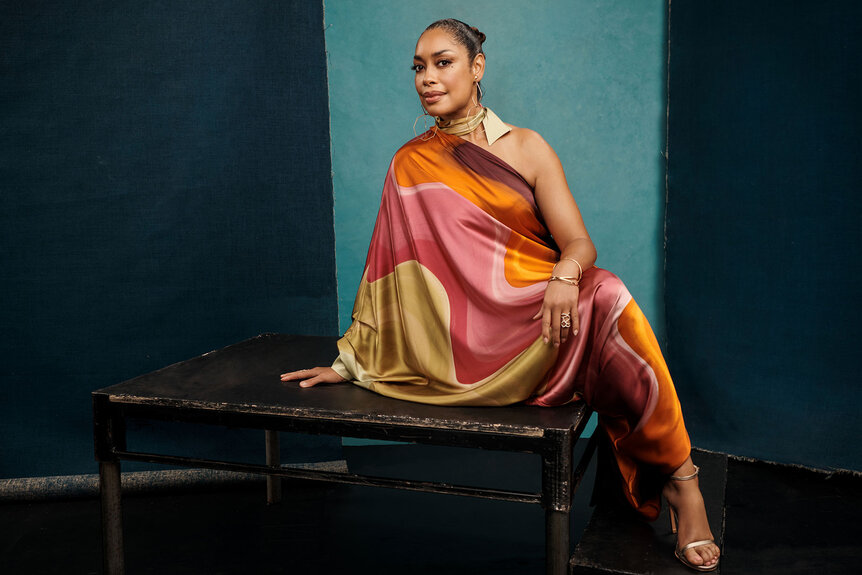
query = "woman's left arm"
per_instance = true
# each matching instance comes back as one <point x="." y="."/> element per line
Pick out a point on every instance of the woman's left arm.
<point x="566" y="225"/>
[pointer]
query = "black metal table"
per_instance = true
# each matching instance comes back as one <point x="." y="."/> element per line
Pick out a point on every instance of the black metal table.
<point x="238" y="386"/>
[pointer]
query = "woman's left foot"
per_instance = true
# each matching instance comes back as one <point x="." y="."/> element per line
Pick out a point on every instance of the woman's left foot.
<point x="685" y="500"/>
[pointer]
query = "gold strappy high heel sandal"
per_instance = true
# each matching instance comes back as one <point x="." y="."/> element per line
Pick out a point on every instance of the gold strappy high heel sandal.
<point x="680" y="553"/>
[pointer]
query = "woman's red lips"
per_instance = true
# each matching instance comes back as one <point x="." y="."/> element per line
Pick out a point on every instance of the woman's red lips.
<point x="432" y="97"/>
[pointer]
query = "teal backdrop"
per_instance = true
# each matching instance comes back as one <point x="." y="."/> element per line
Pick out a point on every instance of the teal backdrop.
<point x="589" y="76"/>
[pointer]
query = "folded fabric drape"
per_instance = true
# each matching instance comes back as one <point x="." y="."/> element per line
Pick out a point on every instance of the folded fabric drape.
<point x="457" y="267"/>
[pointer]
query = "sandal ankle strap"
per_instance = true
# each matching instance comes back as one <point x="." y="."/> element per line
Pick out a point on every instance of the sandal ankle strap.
<point x="686" y="477"/>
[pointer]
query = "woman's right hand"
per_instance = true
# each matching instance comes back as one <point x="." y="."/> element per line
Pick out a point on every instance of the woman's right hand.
<point x="313" y="376"/>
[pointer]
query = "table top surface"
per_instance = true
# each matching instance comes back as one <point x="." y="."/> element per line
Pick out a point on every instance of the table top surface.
<point x="244" y="378"/>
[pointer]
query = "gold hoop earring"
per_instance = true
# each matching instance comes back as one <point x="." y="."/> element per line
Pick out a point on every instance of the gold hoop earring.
<point x="476" y="104"/>
<point x="473" y="107"/>
<point x="425" y="126"/>
<point x="479" y="89"/>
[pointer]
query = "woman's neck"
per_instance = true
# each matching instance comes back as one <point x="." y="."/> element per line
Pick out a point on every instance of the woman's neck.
<point x="463" y="126"/>
<point x="460" y="114"/>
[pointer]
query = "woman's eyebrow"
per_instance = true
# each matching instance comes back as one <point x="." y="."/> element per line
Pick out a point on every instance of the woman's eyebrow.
<point x="434" y="55"/>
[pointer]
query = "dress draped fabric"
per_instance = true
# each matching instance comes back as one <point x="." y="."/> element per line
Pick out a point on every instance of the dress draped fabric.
<point x="457" y="267"/>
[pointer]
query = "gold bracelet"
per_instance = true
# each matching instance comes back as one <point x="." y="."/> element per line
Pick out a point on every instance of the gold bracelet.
<point x="577" y="263"/>
<point x="569" y="280"/>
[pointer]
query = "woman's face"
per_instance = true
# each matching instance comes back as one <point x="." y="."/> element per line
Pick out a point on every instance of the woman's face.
<point x="445" y="76"/>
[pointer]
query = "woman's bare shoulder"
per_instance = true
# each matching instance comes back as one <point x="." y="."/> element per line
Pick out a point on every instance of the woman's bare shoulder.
<point x="529" y="141"/>
<point x="525" y="150"/>
<point x="531" y="146"/>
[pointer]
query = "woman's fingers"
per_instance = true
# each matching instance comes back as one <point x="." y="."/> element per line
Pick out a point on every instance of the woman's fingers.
<point x="552" y="332"/>
<point x="565" y="326"/>
<point x="545" y="314"/>
<point x="559" y="300"/>
<point x="573" y="327"/>
<point x="313" y="376"/>
<point x="553" y="319"/>
<point x="302" y="373"/>
<point x="311" y="382"/>
<point x="556" y="328"/>
<point x="546" y="325"/>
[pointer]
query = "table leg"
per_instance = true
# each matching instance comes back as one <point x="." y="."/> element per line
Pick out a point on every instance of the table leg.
<point x="273" y="459"/>
<point x="557" y="486"/>
<point x="112" y="518"/>
<point x="556" y="542"/>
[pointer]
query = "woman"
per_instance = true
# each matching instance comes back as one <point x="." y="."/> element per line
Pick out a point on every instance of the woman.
<point x="480" y="289"/>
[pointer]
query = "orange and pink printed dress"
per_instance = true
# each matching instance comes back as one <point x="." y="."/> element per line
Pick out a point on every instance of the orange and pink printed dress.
<point x="457" y="267"/>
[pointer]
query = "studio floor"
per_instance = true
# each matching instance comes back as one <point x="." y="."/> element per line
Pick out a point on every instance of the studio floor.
<point x="777" y="519"/>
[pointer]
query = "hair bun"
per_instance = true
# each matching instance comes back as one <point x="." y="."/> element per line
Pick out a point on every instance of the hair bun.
<point x="478" y="34"/>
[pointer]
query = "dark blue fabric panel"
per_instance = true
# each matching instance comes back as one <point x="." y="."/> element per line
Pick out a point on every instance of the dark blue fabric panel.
<point x="763" y="226"/>
<point x="165" y="190"/>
